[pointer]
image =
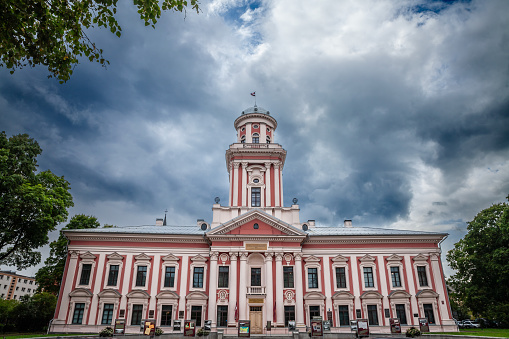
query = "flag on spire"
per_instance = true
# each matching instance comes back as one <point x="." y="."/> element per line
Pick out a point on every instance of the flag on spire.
<point x="253" y="94"/>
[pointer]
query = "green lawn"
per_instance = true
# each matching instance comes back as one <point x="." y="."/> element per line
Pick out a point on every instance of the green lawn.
<point x="484" y="332"/>
<point x="37" y="335"/>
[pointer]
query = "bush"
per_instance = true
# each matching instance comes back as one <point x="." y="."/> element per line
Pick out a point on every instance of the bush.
<point x="201" y="332"/>
<point x="106" y="332"/>
<point x="413" y="332"/>
<point x="158" y="331"/>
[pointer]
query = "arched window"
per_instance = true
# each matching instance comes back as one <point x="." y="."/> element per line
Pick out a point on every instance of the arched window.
<point x="256" y="138"/>
<point x="243" y="139"/>
<point x="268" y="139"/>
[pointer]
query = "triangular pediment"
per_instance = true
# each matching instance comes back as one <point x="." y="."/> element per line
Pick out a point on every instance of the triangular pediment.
<point x="340" y="259"/>
<point x="394" y="258"/>
<point x="421" y="257"/>
<point x="266" y="225"/>
<point x="367" y="258"/>
<point x="198" y="258"/>
<point x="142" y="257"/>
<point x="88" y="255"/>
<point x="115" y="256"/>
<point x="170" y="257"/>
<point x="312" y="259"/>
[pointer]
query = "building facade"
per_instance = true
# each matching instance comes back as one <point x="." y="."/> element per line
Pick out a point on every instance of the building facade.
<point x="14" y="286"/>
<point x="254" y="261"/>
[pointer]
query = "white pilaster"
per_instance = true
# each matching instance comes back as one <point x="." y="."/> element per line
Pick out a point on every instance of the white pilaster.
<point x="233" y="289"/>
<point x="439" y="285"/>
<point x="243" y="286"/>
<point x="267" y="185"/>
<point x="276" y="184"/>
<point x="71" y="270"/>
<point x="327" y="283"/>
<point x="244" y="183"/>
<point x="236" y="184"/>
<point x="269" y="309"/>
<point x="213" y="288"/>
<point x="299" y="293"/>
<point x="97" y="288"/>
<point x="411" y="289"/>
<point x="183" y="283"/>
<point x="230" y="192"/>
<point x="280" y="314"/>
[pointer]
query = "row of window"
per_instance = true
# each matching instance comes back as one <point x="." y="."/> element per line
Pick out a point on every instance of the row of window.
<point x="370" y="282"/>
<point x="19" y="280"/>
<point x="255" y="139"/>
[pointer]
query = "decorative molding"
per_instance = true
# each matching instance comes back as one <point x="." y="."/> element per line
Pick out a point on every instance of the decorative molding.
<point x="198" y="259"/>
<point x="88" y="256"/>
<point x="223" y="258"/>
<point x="115" y="256"/>
<point x="395" y="258"/>
<point x="214" y="255"/>
<point x="138" y="294"/>
<point x="340" y="259"/>
<point x="81" y="292"/>
<point x="170" y="258"/>
<point x="142" y="257"/>
<point x="74" y="254"/>
<point x="371" y="295"/>
<point x="314" y="296"/>
<point x="420" y="257"/>
<point x="367" y="259"/>
<point x="311" y="259"/>
<point x="343" y="295"/>
<point x="109" y="293"/>
<point x="168" y="295"/>
<point x="196" y="296"/>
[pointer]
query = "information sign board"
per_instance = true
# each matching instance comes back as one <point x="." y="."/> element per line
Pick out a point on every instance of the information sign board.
<point x="316" y="328"/>
<point x="189" y="328"/>
<point x="149" y="327"/>
<point x="362" y="328"/>
<point x="395" y="325"/>
<point x="177" y="325"/>
<point x="119" y="327"/>
<point x="423" y="325"/>
<point x="244" y="328"/>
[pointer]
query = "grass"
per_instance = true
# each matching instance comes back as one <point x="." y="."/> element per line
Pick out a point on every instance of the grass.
<point x="40" y="335"/>
<point x="482" y="332"/>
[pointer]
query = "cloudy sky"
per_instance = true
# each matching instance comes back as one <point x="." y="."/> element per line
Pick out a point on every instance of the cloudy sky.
<point x="394" y="113"/>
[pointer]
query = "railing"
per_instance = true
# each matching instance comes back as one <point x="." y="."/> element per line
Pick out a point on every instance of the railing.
<point x="255" y="145"/>
<point x="256" y="290"/>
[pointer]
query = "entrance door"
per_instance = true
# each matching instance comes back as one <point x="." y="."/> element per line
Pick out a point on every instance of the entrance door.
<point x="256" y="318"/>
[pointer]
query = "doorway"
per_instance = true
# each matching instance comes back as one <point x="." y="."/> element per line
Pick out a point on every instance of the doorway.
<point x="256" y="318"/>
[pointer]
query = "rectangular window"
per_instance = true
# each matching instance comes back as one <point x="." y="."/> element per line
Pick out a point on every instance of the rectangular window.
<point x="85" y="274"/>
<point x="222" y="281"/>
<point x="372" y="315"/>
<point x="396" y="279"/>
<point x="256" y="276"/>
<point x="222" y="316"/>
<point x="340" y="277"/>
<point x="401" y="314"/>
<point x="169" y="277"/>
<point x="136" y="316"/>
<point x="113" y="275"/>
<point x="344" y="317"/>
<point x="107" y="314"/>
<point x="312" y="277"/>
<point x="428" y="313"/>
<point x="77" y="317"/>
<point x="314" y="311"/>
<point x="256" y="197"/>
<point x="141" y="276"/>
<point x="166" y="311"/>
<point x="196" y="315"/>
<point x="288" y="277"/>
<point x="256" y="140"/>
<point x="421" y="273"/>
<point x="289" y="314"/>
<point x="198" y="277"/>
<point x="368" y="277"/>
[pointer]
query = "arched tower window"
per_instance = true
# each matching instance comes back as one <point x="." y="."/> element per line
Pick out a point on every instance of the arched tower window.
<point x="268" y="139"/>
<point x="256" y="138"/>
<point x="243" y="139"/>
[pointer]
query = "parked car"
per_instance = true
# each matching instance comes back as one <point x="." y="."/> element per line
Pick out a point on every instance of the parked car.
<point x="471" y="324"/>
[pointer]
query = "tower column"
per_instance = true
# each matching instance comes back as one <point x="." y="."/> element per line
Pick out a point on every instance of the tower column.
<point x="269" y="309"/>
<point x="299" y="293"/>
<point x="231" y="192"/>
<point x="244" y="183"/>
<point x="232" y="301"/>
<point x="276" y="183"/>
<point x="279" y="290"/>
<point x="267" y="185"/>
<point x="242" y="286"/>
<point x="236" y="184"/>
<point x="213" y="288"/>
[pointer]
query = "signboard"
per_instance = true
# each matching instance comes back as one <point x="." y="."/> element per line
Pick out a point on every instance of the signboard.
<point x="189" y="328"/>
<point x="207" y="325"/>
<point x="142" y="324"/>
<point x="244" y="328"/>
<point x="269" y="325"/>
<point x="326" y="325"/>
<point x="362" y="328"/>
<point x="256" y="247"/>
<point x="329" y="316"/>
<point x="292" y="326"/>
<point x="119" y="327"/>
<point x="395" y="325"/>
<point x="256" y="301"/>
<point x="177" y="325"/>
<point x="423" y="324"/>
<point x="316" y="328"/>
<point x="149" y="327"/>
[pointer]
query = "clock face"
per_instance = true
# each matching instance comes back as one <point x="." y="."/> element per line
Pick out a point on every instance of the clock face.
<point x="203" y="227"/>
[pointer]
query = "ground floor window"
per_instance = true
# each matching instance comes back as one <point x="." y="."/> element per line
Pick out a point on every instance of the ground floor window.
<point x="79" y="309"/>
<point x="289" y="314"/>
<point x="428" y="313"/>
<point x="196" y="314"/>
<point x="401" y="314"/>
<point x="166" y="311"/>
<point x="344" y="318"/>
<point x="222" y="316"/>
<point x="314" y="311"/>
<point x="372" y="315"/>
<point x="136" y="316"/>
<point x="107" y="314"/>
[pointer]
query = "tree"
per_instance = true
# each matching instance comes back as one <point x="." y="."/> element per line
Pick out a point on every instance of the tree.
<point x="49" y="277"/>
<point x="53" y="33"/>
<point x="31" y="203"/>
<point x="481" y="261"/>
<point x="33" y="313"/>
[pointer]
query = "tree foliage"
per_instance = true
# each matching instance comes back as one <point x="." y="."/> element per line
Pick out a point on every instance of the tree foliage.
<point x="49" y="277"/>
<point x="29" y="314"/>
<point x="481" y="261"/>
<point x="53" y="33"/>
<point x="31" y="203"/>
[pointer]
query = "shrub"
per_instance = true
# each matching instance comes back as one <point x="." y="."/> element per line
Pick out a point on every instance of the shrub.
<point x="201" y="332"/>
<point x="106" y="332"/>
<point x="413" y="332"/>
<point x="158" y="331"/>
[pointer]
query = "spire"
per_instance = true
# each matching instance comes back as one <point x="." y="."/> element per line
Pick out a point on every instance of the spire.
<point x="164" y="222"/>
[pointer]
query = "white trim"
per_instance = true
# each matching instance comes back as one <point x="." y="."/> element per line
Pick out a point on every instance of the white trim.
<point x="369" y="261"/>
<point x="113" y="259"/>
<point x="396" y="261"/>
<point x="313" y="262"/>
<point x="141" y="260"/>
<point x="86" y="258"/>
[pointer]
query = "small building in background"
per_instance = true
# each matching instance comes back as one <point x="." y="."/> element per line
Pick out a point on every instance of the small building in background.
<point x="14" y="286"/>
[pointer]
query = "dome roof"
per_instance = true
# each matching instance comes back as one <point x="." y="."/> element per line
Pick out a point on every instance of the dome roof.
<point x="255" y="109"/>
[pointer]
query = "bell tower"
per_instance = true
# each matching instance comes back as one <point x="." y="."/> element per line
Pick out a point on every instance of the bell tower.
<point x="255" y="164"/>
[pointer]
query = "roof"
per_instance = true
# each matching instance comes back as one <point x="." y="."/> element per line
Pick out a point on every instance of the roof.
<point x="255" y="109"/>
<point x="368" y="231"/>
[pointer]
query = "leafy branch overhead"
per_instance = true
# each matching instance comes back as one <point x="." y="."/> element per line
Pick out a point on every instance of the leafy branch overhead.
<point x="53" y="32"/>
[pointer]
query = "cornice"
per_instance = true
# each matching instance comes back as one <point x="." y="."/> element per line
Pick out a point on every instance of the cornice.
<point x="338" y="239"/>
<point x="247" y="237"/>
<point x="164" y="238"/>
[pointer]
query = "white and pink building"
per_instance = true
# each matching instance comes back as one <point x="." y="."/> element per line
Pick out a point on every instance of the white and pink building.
<point x="256" y="260"/>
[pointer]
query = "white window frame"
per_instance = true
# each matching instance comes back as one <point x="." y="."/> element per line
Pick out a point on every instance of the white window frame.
<point x="114" y="259"/>
<point x="170" y="260"/>
<point x="141" y="260"/>
<point x="313" y="262"/>
<point x="369" y="261"/>
<point x="422" y="260"/>
<point x="86" y="258"/>
<point x="341" y="262"/>
<point x="198" y="261"/>
<point x="396" y="261"/>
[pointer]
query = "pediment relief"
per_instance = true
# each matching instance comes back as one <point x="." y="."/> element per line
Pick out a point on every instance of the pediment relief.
<point x="420" y="257"/>
<point x="142" y="257"/>
<point x="81" y="292"/>
<point x="138" y="294"/>
<point x="311" y="259"/>
<point x="371" y="295"/>
<point x="340" y="259"/>
<point x="427" y="294"/>
<point x="394" y="258"/>
<point x="170" y="257"/>
<point x="343" y="295"/>
<point x="115" y="256"/>
<point x="399" y="295"/>
<point x="314" y="296"/>
<point x="167" y="295"/>
<point x="88" y="255"/>
<point x="367" y="258"/>
<point x="199" y="258"/>
<point x="197" y="296"/>
<point x="256" y="214"/>
<point x="109" y="293"/>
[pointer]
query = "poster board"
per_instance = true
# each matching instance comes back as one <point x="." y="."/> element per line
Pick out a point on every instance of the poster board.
<point x="292" y="325"/>
<point x="149" y="327"/>
<point x="177" y="325"/>
<point x="423" y="325"/>
<point x="362" y="328"/>
<point x="244" y="328"/>
<point x="119" y="328"/>
<point x="326" y="325"/>
<point x="395" y="325"/>
<point x="189" y="328"/>
<point x="207" y="325"/>
<point x="316" y="328"/>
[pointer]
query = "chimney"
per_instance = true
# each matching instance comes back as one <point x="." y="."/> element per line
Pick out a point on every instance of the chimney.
<point x="311" y="223"/>
<point x="348" y="223"/>
<point x="159" y="222"/>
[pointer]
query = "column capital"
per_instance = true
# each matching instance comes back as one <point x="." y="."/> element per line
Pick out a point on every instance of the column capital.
<point x="74" y="254"/>
<point x="434" y="256"/>
<point x="277" y="164"/>
<point x="233" y="256"/>
<point x="267" y="165"/>
<point x="244" y="164"/>
<point x="236" y="165"/>
<point x="279" y="256"/>
<point x="214" y="255"/>
<point x="268" y="256"/>
<point x="297" y="256"/>
<point x="243" y="256"/>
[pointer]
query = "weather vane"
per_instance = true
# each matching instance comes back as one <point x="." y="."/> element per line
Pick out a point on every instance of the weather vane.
<point x="254" y="95"/>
